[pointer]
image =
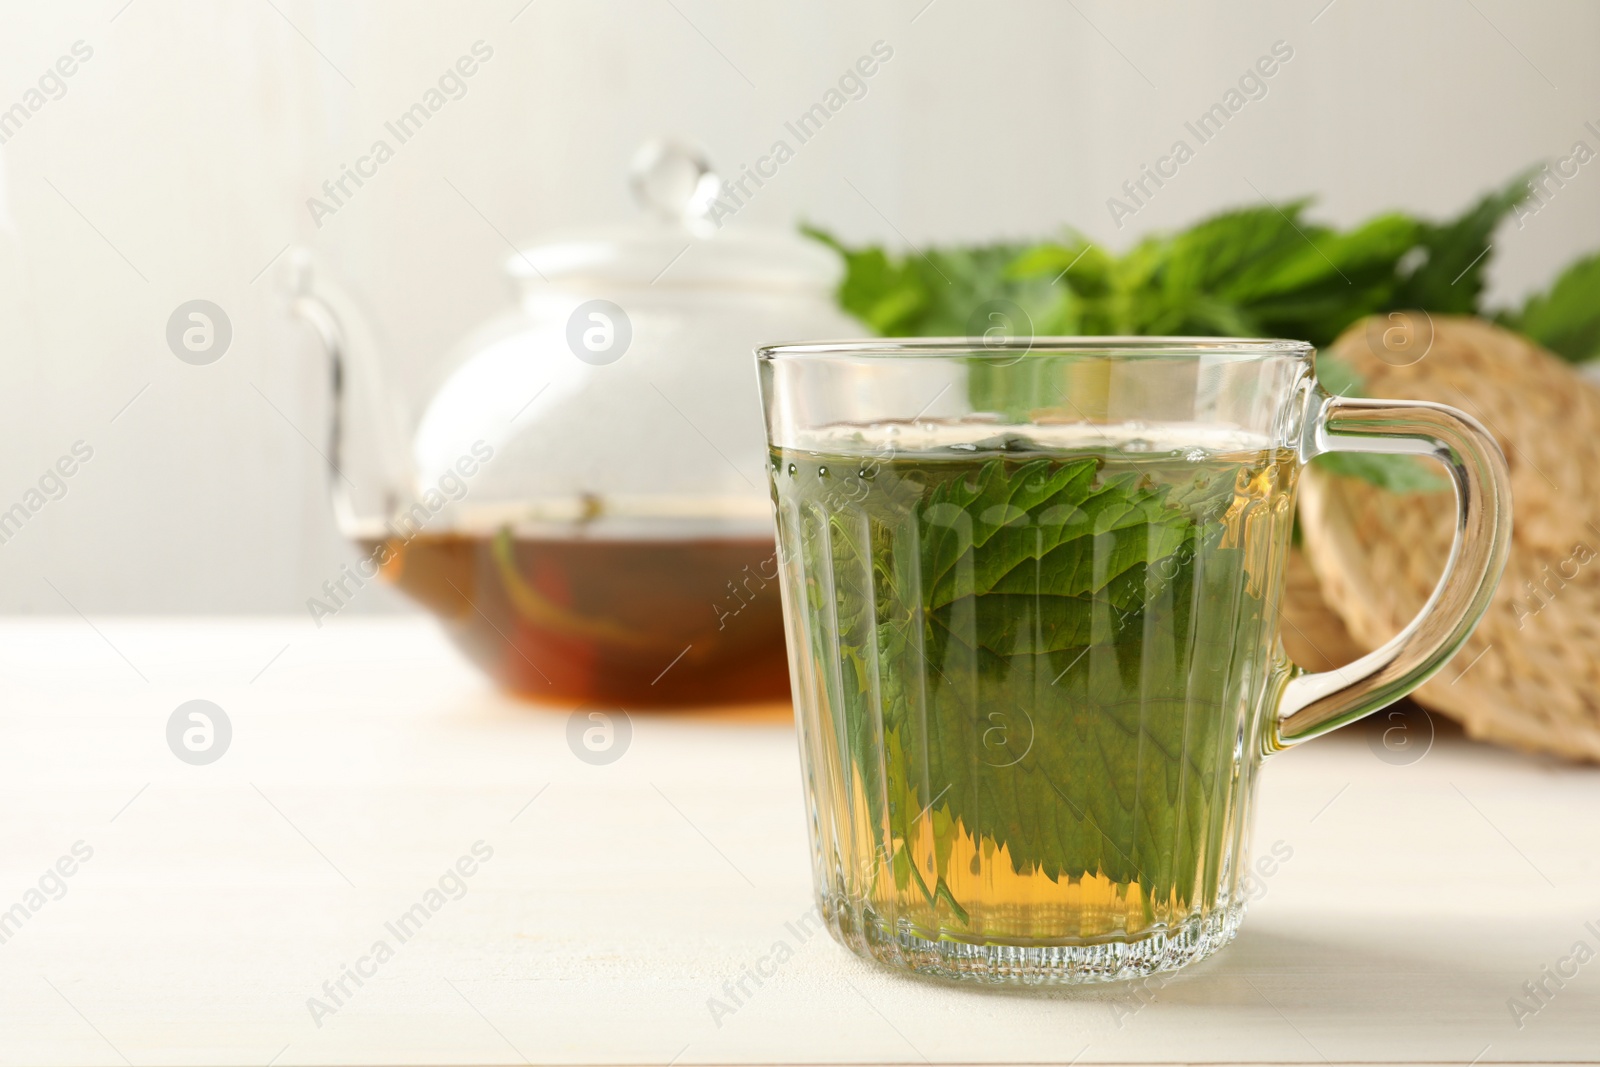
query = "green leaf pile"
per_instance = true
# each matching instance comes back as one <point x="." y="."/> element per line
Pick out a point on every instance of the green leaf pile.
<point x="1566" y="320"/>
<point x="1260" y="271"/>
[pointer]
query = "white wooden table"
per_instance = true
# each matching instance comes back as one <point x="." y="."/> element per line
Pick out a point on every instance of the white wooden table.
<point x="366" y="760"/>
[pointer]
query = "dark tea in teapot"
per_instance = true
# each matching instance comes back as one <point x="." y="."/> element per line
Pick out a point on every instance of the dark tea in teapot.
<point x="634" y="622"/>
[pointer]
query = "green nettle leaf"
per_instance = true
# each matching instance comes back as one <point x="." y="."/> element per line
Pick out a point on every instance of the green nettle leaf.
<point x="1566" y="320"/>
<point x="932" y="295"/>
<point x="1453" y="256"/>
<point x="1052" y="618"/>
<point x="1252" y="271"/>
<point x="1258" y="271"/>
<point x="1052" y="655"/>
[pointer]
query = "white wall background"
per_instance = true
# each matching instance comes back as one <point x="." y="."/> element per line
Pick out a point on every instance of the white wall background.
<point x="177" y="164"/>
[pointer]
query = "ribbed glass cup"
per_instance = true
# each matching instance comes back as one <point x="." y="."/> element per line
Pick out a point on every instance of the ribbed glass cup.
<point x="1031" y="599"/>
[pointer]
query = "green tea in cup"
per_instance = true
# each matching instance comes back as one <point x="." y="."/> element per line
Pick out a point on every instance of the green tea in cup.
<point x="1032" y="602"/>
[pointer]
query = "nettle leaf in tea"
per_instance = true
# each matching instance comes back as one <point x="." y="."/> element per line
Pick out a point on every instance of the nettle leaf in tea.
<point x="1037" y="662"/>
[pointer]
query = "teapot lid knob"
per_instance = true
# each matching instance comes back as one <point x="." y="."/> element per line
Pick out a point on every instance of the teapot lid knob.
<point x="674" y="181"/>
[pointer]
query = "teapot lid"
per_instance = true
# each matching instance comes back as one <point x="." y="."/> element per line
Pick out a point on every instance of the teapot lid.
<point x="684" y="242"/>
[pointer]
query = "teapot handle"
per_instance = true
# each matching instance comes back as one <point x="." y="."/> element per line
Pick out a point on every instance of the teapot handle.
<point x="310" y="308"/>
<point x="351" y="371"/>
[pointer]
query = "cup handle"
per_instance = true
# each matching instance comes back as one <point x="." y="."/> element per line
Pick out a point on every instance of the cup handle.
<point x="1311" y="704"/>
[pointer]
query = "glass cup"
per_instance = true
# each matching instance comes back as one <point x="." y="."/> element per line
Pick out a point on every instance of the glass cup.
<point x="1032" y="593"/>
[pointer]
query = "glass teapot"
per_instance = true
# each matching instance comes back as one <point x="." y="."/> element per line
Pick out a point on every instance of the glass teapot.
<point x="583" y="501"/>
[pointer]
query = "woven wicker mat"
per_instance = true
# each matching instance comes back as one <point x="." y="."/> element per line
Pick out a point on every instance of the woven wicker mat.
<point x="1529" y="676"/>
